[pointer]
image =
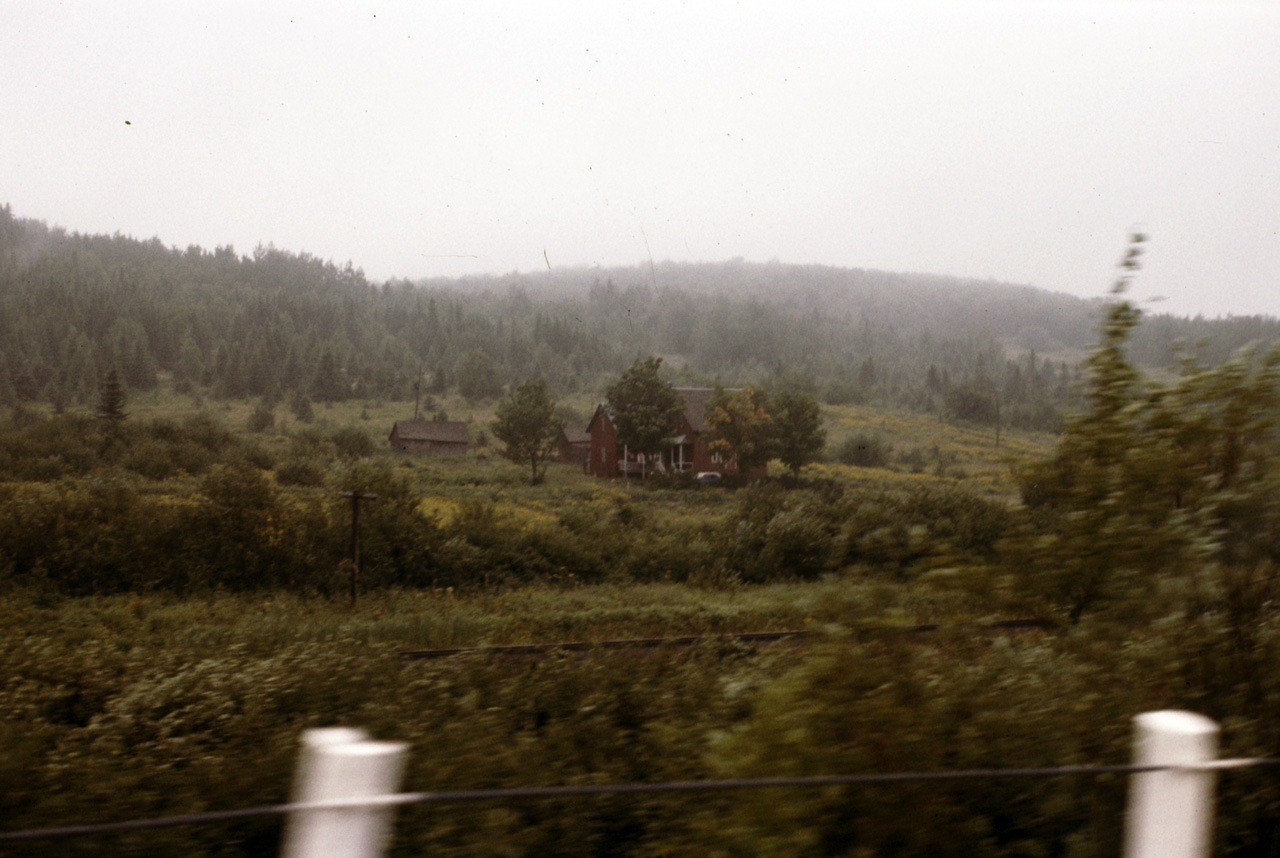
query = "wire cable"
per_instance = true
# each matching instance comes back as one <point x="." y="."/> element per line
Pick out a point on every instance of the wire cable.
<point x="612" y="789"/>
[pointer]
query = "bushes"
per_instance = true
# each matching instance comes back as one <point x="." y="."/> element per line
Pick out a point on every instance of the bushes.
<point x="96" y="536"/>
<point x="864" y="449"/>
<point x="352" y="443"/>
<point x="297" y="471"/>
<point x="261" y="419"/>
<point x="240" y="533"/>
<point x="159" y="728"/>
<point x="398" y="545"/>
<point x="778" y="535"/>
<point x="49" y="448"/>
<point x="239" y="529"/>
<point x="120" y="708"/>
<point x="104" y="535"/>
<point x="894" y="706"/>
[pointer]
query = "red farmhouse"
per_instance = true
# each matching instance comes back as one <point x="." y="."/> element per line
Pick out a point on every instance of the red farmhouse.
<point x="608" y="458"/>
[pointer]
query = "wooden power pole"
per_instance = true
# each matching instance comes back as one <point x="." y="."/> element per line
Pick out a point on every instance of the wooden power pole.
<point x="356" y="497"/>
<point x="417" y="393"/>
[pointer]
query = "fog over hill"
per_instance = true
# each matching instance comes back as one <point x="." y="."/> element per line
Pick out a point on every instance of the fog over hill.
<point x="278" y="324"/>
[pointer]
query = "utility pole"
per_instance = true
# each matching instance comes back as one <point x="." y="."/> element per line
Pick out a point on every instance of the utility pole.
<point x="417" y="391"/>
<point x="356" y="497"/>
<point x="997" y="419"/>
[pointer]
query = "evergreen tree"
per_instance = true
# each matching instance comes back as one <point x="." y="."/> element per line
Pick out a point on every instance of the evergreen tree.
<point x="111" y="401"/>
<point x="328" y="385"/>
<point x="302" y="410"/>
<point x="8" y="392"/>
<point x="79" y="376"/>
<point x="189" y="371"/>
<point x="477" y="376"/>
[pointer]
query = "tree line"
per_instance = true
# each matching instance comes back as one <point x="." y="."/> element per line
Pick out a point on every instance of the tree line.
<point x="280" y="326"/>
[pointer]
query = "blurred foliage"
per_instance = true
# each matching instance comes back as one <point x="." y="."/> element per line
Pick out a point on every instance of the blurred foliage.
<point x="1155" y="485"/>
<point x="128" y="707"/>
<point x="171" y="611"/>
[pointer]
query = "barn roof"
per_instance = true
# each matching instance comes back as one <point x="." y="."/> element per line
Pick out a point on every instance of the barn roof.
<point x="450" y="431"/>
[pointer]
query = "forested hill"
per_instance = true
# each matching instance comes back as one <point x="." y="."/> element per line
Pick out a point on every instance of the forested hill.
<point x="279" y="324"/>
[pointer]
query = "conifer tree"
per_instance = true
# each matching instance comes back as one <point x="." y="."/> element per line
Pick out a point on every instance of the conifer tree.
<point x="8" y="392"/>
<point x="111" y="401"/>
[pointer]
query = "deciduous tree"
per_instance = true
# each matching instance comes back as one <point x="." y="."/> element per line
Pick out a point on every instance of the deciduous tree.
<point x="797" y="429"/>
<point x="739" y="427"/>
<point x="526" y="423"/>
<point x="643" y="407"/>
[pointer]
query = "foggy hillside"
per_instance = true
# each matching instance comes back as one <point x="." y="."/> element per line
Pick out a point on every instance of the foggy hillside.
<point x="277" y="324"/>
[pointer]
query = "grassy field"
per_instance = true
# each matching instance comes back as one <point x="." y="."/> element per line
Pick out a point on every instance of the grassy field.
<point x="926" y="449"/>
<point x="948" y="452"/>
<point x="185" y="688"/>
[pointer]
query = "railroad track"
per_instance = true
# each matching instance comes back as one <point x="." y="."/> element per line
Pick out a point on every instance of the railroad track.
<point x="683" y="642"/>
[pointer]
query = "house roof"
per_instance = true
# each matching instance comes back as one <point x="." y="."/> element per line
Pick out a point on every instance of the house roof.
<point x="695" y="405"/>
<point x="577" y="436"/>
<point x="450" y="431"/>
<point x="600" y="411"/>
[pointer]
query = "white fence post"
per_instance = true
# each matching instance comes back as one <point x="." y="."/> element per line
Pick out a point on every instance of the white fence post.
<point x="339" y="763"/>
<point x="1171" y="812"/>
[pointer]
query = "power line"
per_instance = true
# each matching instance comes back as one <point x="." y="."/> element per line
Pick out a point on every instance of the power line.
<point x="516" y="793"/>
<point x="757" y="638"/>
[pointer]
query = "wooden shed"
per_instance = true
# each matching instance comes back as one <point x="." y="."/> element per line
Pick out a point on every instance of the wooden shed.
<point x="430" y="437"/>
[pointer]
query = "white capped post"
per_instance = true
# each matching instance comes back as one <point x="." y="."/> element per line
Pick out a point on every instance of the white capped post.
<point x="1171" y="812"/>
<point x="335" y="764"/>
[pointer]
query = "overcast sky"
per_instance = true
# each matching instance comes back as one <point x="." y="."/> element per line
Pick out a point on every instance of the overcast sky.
<point x="1018" y="141"/>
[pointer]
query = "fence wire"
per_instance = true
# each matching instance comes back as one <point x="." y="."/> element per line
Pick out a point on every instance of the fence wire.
<point x="519" y="793"/>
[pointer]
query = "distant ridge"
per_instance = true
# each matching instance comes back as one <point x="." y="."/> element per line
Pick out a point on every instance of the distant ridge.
<point x="282" y="325"/>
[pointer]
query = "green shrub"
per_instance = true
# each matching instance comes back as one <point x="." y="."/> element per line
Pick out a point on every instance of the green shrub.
<point x="776" y="534"/>
<point x="160" y="460"/>
<point x="207" y="431"/>
<point x="93" y="536"/>
<point x="255" y="456"/>
<point x="864" y="449"/>
<point x="299" y="472"/>
<point x="958" y="519"/>
<point x="261" y="419"/>
<point x="352" y="443"/>
<point x="895" y="706"/>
